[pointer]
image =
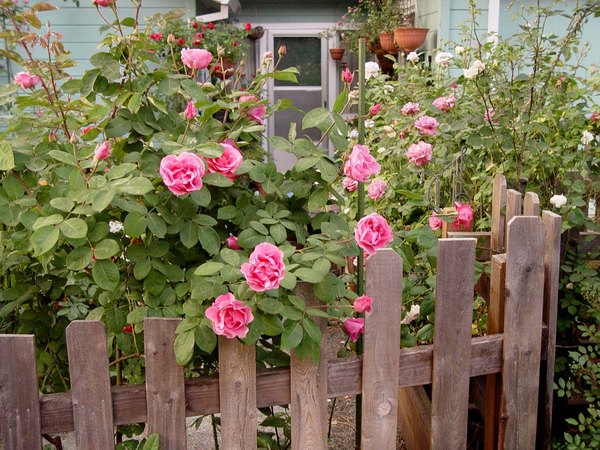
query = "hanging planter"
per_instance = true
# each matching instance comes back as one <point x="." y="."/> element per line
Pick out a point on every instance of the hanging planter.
<point x="410" y="39"/>
<point x="336" y="53"/>
<point x="386" y="40"/>
<point x="256" y="33"/>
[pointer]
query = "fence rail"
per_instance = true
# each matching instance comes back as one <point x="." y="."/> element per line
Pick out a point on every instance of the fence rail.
<point x="93" y="408"/>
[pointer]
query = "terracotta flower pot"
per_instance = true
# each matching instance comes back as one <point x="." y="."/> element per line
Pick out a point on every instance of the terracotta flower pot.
<point x="386" y="40"/>
<point x="410" y="39"/>
<point x="336" y="53"/>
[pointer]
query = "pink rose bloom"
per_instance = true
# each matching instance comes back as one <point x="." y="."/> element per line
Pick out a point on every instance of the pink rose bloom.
<point x="229" y="316"/>
<point x="426" y="125"/>
<point x="182" y="174"/>
<point x="411" y="109"/>
<point x="487" y="117"/>
<point x="104" y="3"/>
<point x="353" y="328"/>
<point x="376" y="189"/>
<point x="360" y="165"/>
<point x="26" y="80"/>
<point x="594" y="117"/>
<point x="232" y="243"/>
<point x="445" y="104"/>
<point x="255" y="112"/>
<point x="465" y="216"/>
<point x="435" y="223"/>
<point x="363" y="304"/>
<point x="227" y="163"/>
<point x="267" y="57"/>
<point x="372" y="232"/>
<point x="196" y="58"/>
<point x="265" y="268"/>
<point x="190" y="111"/>
<point x="52" y="136"/>
<point x="102" y="150"/>
<point x="420" y="153"/>
<point x="349" y="184"/>
<point x="347" y="76"/>
<point x="373" y="110"/>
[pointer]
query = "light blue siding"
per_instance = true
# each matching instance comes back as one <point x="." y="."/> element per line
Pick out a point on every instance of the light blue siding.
<point x="454" y="14"/>
<point x="292" y="11"/>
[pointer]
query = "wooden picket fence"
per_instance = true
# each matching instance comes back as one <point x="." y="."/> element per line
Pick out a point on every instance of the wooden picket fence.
<point x="92" y="408"/>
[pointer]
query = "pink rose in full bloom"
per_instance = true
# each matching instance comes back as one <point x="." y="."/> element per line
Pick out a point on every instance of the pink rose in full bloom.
<point x="102" y="150"/>
<point x="349" y="184"/>
<point x="420" y="153"/>
<point x="229" y="316"/>
<point x="360" y="165"/>
<point x="374" y="110"/>
<point x="353" y="328"/>
<point x="190" y="111"/>
<point x="372" y="232"/>
<point x="196" y="58"/>
<point x="26" y="80"/>
<point x="182" y="174"/>
<point x="227" y="163"/>
<point x="347" y="76"/>
<point x="265" y="269"/>
<point x="426" y="125"/>
<point x="445" y="104"/>
<point x="410" y="109"/>
<point x="232" y="243"/>
<point x="255" y="112"/>
<point x="465" y="216"/>
<point x="376" y="189"/>
<point x="103" y="3"/>
<point x="363" y="304"/>
<point x="435" y="223"/>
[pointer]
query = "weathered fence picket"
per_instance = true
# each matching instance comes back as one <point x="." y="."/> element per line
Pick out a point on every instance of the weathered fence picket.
<point x="512" y="356"/>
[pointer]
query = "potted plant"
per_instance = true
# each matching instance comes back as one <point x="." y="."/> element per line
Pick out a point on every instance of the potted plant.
<point x="337" y="52"/>
<point x="408" y="37"/>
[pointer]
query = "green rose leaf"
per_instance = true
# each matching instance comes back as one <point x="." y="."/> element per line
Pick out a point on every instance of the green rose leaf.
<point x="152" y="442"/>
<point x="217" y="179"/>
<point x="289" y="281"/>
<point x="135" y="224"/>
<point x="79" y="258"/>
<point x="227" y="212"/>
<point x="209" y="268"/>
<point x="42" y="222"/>
<point x="312" y="329"/>
<point x="270" y="305"/>
<point x="231" y="257"/>
<point x="62" y="204"/>
<point x="106" y="274"/>
<point x="101" y="200"/>
<point x="189" y="234"/>
<point x="209" y="240"/>
<point x="329" y="171"/>
<point x="309" y="275"/>
<point x="142" y="269"/>
<point x="137" y="186"/>
<point x="292" y="335"/>
<point x="157" y="225"/>
<point x="205" y="337"/>
<point x="117" y="127"/>
<point x="184" y="347"/>
<point x="106" y="249"/>
<point x="137" y="315"/>
<point x="317" y="117"/>
<point x="7" y="159"/>
<point x="279" y="233"/>
<point x="306" y="163"/>
<point x="74" y="228"/>
<point x="44" y="239"/>
<point x="318" y="199"/>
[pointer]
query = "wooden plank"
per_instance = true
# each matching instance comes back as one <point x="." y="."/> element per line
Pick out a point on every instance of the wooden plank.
<point x="308" y="388"/>
<point x="165" y="388"/>
<point x="551" y="279"/>
<point x="237" y="394"/>
<point x="19" y="402"/>
<point x="447" y="227"/>
<point x="498" y="204"/>
<point x="381" y="357"/>
<point x="522" y="333"/>
<point x="531" y="204"/>
<point x="495" y="325"/>
<point x="513" y="205"/>
<point x="451" y="343"/>
<point x="414" y="417"/>
<point x="90" y="385"/>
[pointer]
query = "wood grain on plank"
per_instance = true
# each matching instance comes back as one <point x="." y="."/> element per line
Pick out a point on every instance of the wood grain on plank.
<point x="414" y="417"/>
<point x="514" y="202"/>
<point x="531" y="204"/>
<point x="498" y="220"/>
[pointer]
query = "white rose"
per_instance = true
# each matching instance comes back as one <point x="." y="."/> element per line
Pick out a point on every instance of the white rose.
<point x="388" y="88"/>
<point x="371" y="69"/>
<point x="459" y="49"/>
<point x="558" y="200"/>
<point x="413" y="314"/>
<point x="369" y="124"/>
<point x="353" y="94"/>
<point x="353" y="134"/>
<point x="586" y="137"/>
<point x="443" y="58"/>
<point x="115" y="226"/>
<point x="413" y="57"/>
<point x="476" y="68"/>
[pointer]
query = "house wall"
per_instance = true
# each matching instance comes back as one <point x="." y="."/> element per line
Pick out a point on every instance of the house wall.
<point x="454" y="14"/>
<point x="292" y="11"/>
<point x="429" y="17"/>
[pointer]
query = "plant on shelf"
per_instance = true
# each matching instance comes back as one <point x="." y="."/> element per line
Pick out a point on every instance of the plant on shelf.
<point x="406" y="35"/>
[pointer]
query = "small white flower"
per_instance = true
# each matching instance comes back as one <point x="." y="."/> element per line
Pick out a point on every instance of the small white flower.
<point x="353" y="94"/>
<point x="586" y="137"/>
<point x="413" y="314"/>
<point x="381" y="150"/>
<point x="115" y="226"/>
<point x="369" y="124"/>
<point x="371" y="69"/>
<point x="353" y="134"/>
<point x="346" y="210"/>
<point x="388" y="88"/>
<point x="443" y="58"/>
<point x="413" y="57"/>
<point x="558" y="200"/>
<point x="459" y="49"/>
<point x="476" y="68"/>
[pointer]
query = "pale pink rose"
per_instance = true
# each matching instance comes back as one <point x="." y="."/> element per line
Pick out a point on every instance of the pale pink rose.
<point x="487" y="117"/>
<point x="104" y="3"/>
<point x="353" y="328"/>
<point x="102" y="150"/>
<point x="373" y="110"/>
<point x="410" y="109"/>
<point x="376" y="189"/>
<point x="255" y="112"/>
<point x="420" y="153"/>
<point x="229" y="316"/>
<point x="445" y="104"/>
<point x="349" y="184"/>
<point x="196" y="58"/>
<point x="426" y="125"/>
<point x="227" y="163"/>
<point x="435" y="223"/>
<point x="190" y="111"/>
<point x="372" y="232"/>
<point x="282" y="50"/>
<point x="360" y="165"/>
<point x="265" y="268"/>
<point x="267" y="57"/>
<point x="363" y="304"/>
<point x="347" y="76"/>
<point x="465" y="216"/>
<point x="26" y="80"/>
<point x="232" y="243"/>
<point x="182" y="174"/>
